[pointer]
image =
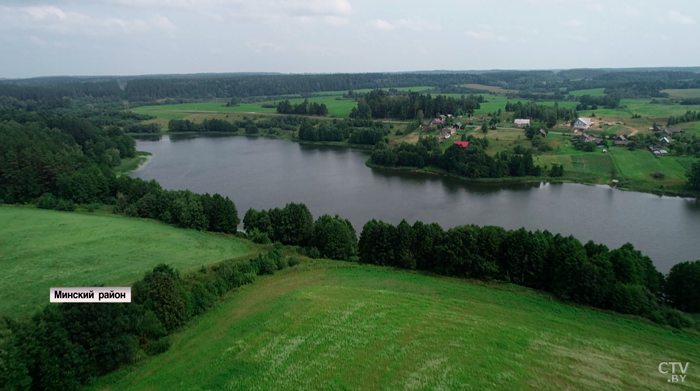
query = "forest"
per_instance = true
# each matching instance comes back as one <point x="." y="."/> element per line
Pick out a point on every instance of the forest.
<point x="51" y="93"/>
<point x="381" y="104"/>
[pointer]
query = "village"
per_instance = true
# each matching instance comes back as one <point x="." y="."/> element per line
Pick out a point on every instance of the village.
<point x="580" y="132"/>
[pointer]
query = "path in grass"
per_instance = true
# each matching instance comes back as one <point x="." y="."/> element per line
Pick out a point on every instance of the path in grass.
<point x="43" y="249"/>
<point x="338" y="326"/>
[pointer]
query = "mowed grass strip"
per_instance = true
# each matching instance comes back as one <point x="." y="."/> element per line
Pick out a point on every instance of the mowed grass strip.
<point x="331" y="325"/>
<point x="41" y="249"/>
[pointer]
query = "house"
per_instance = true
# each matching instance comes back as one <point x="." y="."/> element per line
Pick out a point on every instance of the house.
<point x="442" y="116"/>
<point x="437" y="121"/>
<point x="449" y="115"/>
<point x="446" y="133"/>
<point x="671" y="131"/>
<point x="582" y="123"/>
<point x="521" y="122"/>
<point x="621" y="141"/>
<point x="542" y="132"/>
<point x="462" y="144"/>
<point x="585" y="138"/>
<point x="664" y="140"/>
<point x="458" y="125"/>
<point x="425" y="123"/>
<point x="657" y="150"/>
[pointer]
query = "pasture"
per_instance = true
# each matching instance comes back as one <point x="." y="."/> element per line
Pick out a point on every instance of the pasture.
<point x="629" y="107"/>
<point x="44" y="248"/>
<point x="591" y="92"/>
<point x="642" y="164"/>
<point x="681" y="94"/>
<point x="328" y="325"/>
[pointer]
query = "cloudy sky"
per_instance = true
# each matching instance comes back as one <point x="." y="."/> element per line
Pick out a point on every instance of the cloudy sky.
<point x="126" y="37"/>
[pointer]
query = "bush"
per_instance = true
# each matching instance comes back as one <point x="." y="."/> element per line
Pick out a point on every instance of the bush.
<point x="47" y="201"/>
<point x="267" y="266"/>
<point x="293" y="261"/>
<point x="311" y="252"/>
<point x="65" y="205"/>
<point x="258" y="237"/>
<point x="157" y="347"/>
<point x="282" y="263"/>
<point x="93" y="207"/>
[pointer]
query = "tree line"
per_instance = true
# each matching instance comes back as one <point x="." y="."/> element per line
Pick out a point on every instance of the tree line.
<point x="65" y="346"/>
<point x="304" y="108"/>
<point x="689" y="116"/>
<point x="382" y="104"/>
<point x="355" y="131"/>
<point x="621" y="280"/>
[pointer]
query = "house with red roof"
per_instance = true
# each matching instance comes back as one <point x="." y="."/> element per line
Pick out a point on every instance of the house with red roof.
<point x="462" y="144"/>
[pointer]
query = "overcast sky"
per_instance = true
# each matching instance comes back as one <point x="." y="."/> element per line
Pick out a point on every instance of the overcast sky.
<point x="127" y="37"/>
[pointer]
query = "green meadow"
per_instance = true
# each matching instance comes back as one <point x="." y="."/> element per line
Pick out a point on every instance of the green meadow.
<point x="43" y="249"/>
<point x="591" y="92"/>
<point x="680" y="94"/>
<point x="329" y="325"/>
<point x="629" y="107"/>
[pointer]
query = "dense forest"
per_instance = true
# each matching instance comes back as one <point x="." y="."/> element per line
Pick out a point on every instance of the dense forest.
<point x="355" y="131"/>
<point x="52" y="92"/>
<point x="381" y="104"/>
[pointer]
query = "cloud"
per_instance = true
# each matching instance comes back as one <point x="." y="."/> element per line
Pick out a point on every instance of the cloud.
<point x="56" y="21"/>
<point x="381" y="24"/>
<point x="572" y="23"/>
<point x="418" y="24"/>
<point x="485" y="35"/>
<point x="678" y="18"/>
<point x="415" y="24"/>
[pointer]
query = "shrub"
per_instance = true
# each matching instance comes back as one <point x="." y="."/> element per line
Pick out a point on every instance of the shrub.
<point x="65" y="205"/>
<point x="258" y="237"/>
<point x="282" y="263"/>
<point x="267" y="266"/>
<point x="93" y="207"/>
<point x="293" y="261"/>
<point x="311" y="252"/>
<point x="47" y="201"/>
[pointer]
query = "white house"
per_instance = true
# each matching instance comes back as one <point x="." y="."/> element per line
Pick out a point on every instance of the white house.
<point x="582" y="123"/>
<point x="521" y="123"/>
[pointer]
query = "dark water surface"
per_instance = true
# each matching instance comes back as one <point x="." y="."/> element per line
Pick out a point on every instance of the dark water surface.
<point x="264" y="173"/>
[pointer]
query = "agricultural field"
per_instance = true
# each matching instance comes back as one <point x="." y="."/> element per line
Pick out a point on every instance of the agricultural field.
<point x="681" y="94"/>
<point x="330" y="325"/>
<point x="642" y="164"/>
<point x="591" y="92"/>
<point x="493" y="89"/>
<point x="629" y="107"/>
<point x="43" y="249"/>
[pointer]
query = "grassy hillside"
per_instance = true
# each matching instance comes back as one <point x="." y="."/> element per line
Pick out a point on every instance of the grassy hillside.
<point x="43" y="249"/>
<point x="339" y="326"/>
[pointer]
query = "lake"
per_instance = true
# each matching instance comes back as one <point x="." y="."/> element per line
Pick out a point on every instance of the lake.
<point x="263" y="173"/>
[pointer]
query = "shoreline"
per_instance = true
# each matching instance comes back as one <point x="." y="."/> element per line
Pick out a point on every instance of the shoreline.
<point x="141" y="158"/>
<point x="437" y="172"/>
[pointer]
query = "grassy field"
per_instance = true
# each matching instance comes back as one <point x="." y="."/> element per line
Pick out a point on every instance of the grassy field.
<point x="642" y="164"/>
<point x="591" y="92"/>
<point x="680" y="94"/>
<point x="43" y="249"/>
<point x="338" y="326"/>
<point x="628" y="107"/>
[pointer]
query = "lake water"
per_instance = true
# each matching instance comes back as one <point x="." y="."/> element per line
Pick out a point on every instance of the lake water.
<point x="262" y="173"/>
